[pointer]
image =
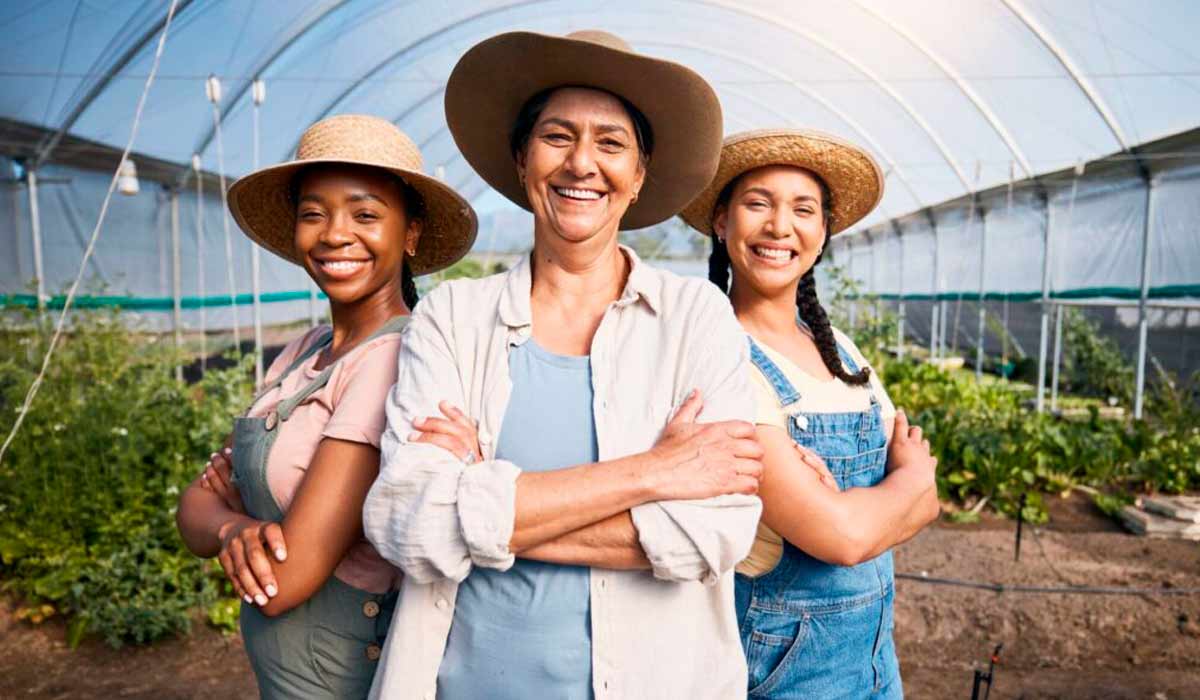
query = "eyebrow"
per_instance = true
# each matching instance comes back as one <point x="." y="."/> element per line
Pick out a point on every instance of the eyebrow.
<point x="570" y="125"/>
<point x="357" y="197"/>
<point x="770" y="195"/>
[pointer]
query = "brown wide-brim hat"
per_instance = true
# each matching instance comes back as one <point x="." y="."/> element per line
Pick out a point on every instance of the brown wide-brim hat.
<point x="261" y="202"/>
<point x="854" y="179"/>
<point x="496" y="77"/>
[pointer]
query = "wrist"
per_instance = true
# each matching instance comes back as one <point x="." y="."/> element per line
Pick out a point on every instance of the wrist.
<point x="232" y="523"/>
<point x="645" y="474"/>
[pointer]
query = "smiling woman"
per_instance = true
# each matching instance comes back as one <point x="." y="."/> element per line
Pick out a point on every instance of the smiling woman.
<point x="281" y="505"/>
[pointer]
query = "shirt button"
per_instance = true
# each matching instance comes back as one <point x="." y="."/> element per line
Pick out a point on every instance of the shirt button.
<point x="485" y="438"/>
<point x="373" y="652"/>
<point x="442" y="604"/>
<point x="428" y="696"/>
<point x="602" y="583"/>
<point x="271" y="421"/>
<point x="371" y="608"/>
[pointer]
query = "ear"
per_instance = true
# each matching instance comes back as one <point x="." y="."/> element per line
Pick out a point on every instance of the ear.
<point x="412" y="237"/>
<point x="521" y="167"/>
<point x="721" y="222"/>
<point x="639" y="179"/>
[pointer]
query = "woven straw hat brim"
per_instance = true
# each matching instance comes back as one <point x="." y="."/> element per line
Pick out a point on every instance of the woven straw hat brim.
<point x="261" y="204"/>
<point x="495" y="78"/>
<point x="854" y="178"/>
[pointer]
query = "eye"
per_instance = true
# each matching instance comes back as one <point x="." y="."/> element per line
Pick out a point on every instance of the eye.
<point x="309" y="215"/>
<point x="366" y="215"/>
<point x="756" y="204"/>
<point x="804" y="211"/>
<point x="557" y="137"/>
<point x="612" y="145"/>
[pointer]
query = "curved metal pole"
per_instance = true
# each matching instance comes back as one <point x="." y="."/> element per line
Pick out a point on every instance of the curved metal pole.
<point x="809" y="35"/>
<point x="977" y="100"/>
<point x="1093" y="95"/>
<point x="816" y="97"/>
<point x="413" y="46"/>
<point x="257" y="72"/>
<point x="125" y="59"/>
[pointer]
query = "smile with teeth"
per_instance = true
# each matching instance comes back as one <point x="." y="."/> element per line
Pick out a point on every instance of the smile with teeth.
<point x="341" y="268"/>
<point x="773" y="253"/>
<point x="573" y="193"/>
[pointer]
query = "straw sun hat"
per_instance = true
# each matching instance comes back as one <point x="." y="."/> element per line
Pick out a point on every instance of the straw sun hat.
<point x="854" y="179"/>
<point x="495" y="78"/>
<point x="261" y="202"/>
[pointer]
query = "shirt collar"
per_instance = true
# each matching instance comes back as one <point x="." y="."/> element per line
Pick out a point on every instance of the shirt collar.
<point x="514" y="302"/>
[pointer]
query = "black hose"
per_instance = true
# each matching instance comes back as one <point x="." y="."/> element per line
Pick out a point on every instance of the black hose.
<point x="1017" y="588"/>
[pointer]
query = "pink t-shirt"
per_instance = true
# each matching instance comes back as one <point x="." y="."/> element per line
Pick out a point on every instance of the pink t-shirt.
<point x="349" y="407"/>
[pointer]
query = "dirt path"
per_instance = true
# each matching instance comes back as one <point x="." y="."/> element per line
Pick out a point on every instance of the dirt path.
<point x="1055" y="646"/>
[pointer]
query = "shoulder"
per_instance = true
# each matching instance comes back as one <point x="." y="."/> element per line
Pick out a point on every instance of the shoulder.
<point x="461" y="298"/>
<point x="293" y="349"/>
<point x="683" y="294"/>
<point x="849" y="346"/>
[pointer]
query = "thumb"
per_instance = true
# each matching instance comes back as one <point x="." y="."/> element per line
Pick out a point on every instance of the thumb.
<point x="273" y="534"/>
<point x="690" y="409"/>
<point x="901" y="425"/>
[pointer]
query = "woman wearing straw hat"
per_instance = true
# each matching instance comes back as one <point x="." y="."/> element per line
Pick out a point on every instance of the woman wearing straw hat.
<point x="560" y="533"/>
<point x="355" y="210"/>
<point x="814" y="598"/>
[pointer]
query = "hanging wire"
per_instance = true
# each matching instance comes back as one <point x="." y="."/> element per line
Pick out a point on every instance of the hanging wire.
<point x="259" y="95"/>
<point x="91" y="247"/>
<point x="213" y="87"/>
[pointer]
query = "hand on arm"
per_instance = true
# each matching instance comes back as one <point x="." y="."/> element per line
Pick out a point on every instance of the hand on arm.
<point x="689" y="461"/>
<point x="852" y="526"/>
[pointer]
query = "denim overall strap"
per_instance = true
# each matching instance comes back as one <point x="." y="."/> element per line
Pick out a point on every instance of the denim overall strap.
<point x="322" y="340"/>
<point x="789" y="398"/>
<point x="852" y="368"/>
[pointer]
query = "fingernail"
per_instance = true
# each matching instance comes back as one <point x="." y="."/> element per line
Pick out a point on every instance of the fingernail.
<point x="212" y="456"/>
<point x="208" y="465"/>
<point x="228" y="450"/>
<point x="413" y="436"/>
<point x="419" y="421"/>
<point x="248" y="599"/>
<point x="260" y="599"/>
<point x="281" y="554"/>
<point x="204" y="476"/>
<point x="271" y="591"/>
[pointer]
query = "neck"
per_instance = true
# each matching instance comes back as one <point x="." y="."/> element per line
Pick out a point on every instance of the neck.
<point x="355" y="321"/>
<point x="765" y="315"/>
<point x="591" y="273"/>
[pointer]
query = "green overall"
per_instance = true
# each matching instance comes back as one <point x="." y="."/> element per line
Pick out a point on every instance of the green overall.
<point x="329" y="645"/>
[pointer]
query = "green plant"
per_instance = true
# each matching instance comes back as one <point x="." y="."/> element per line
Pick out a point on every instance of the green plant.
<point x="89" y="487"/>
<point x="1093" y="364"/>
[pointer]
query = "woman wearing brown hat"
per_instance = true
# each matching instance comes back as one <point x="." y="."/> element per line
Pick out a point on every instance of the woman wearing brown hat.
<point x="355" y="210"/>
<point x="845" y="477"/>
<point x="561" y="535"/>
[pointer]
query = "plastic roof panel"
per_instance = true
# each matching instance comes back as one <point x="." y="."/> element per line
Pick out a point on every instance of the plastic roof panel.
<point x="950" y="96"/>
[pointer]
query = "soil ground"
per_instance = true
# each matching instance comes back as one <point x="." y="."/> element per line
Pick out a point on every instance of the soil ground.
<point x="1055" y="645"/>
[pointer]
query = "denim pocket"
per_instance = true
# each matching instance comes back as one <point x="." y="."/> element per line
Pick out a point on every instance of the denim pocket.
<point x="340" y="661"/>
<point x="775" y="641"/>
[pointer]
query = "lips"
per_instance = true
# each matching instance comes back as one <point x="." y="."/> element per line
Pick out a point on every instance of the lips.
<point x="578" y="194"/>
<point x="774" y="255"/>
<point x="341" y="269"/>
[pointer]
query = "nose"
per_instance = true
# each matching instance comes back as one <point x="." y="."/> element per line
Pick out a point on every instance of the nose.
<point x="581" y="162"/>
<point x="337" y="233"/>
<point x="779" y="225"/>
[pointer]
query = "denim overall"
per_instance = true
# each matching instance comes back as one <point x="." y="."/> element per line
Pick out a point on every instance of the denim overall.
<point x="329" y="645"/>
<point x="811" y="629"/>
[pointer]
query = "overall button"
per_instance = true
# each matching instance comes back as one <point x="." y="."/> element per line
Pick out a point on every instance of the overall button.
<point x="373" y="652"/>
<point x="271" y="421"/>
<point x="371" y="608"/>
<point x="442" y="604"/>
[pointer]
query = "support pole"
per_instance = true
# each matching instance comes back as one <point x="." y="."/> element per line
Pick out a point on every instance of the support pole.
<point x="200" y="285"/>
<point x="213" y="90"/>
<point x="313" y="317"/>
<point x="1143" y="320"/>
<point x="260" y="94"/>
<point x="1044" y="337"/>
<point x="1058" y="332"/>
<point x="935" y="319"/>
<point x="35" y="230"/>
<point x="900" y="296"/>
<point x="176" y="286"/>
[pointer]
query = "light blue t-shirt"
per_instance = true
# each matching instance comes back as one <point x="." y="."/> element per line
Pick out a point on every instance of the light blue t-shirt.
<point x="526" y="632"/>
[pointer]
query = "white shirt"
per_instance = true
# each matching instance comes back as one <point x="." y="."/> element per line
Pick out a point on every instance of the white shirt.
<point x="667" y="633"/>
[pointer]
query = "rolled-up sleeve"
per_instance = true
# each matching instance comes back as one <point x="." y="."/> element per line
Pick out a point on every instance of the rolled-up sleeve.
<point x="700" y="540"/>
<point x="428" y="512"/>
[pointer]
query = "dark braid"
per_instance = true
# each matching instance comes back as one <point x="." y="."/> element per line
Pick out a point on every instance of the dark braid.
<point x="718" y="265"/>
<point x="807" y="304"/>
<point x="408" y="287"/>
<point x="813" y="314"/>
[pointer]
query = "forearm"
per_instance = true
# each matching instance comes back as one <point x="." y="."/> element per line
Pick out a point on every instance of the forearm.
<point x="611" y="543"/>
<point x="200" y="517"/>
<point x="550" y="505"/>
<point x="862" y="523"/>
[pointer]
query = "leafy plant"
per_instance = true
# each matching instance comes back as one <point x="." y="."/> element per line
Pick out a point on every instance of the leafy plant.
<point x="89" y="487"/>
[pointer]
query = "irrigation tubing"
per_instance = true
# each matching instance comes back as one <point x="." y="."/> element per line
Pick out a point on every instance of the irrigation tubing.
<point x="91" y="247"/>
<point x="1018" y="588"/>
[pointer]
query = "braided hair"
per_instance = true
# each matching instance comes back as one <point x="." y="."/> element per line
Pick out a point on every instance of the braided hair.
<point x="807" y="304"/>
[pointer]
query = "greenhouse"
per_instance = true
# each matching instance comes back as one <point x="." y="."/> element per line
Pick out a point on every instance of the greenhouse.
<point x="1041" y="209"/>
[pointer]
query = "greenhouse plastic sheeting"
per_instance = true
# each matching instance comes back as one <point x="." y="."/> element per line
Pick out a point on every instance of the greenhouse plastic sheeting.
<point x="950" y="96"/>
